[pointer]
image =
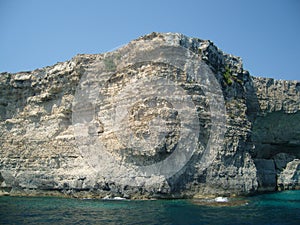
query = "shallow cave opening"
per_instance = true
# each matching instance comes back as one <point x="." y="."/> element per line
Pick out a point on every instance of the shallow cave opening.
<point x="276" y="137"/>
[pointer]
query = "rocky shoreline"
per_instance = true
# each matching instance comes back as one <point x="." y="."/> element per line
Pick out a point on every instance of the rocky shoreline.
<point x="248" y="144"/>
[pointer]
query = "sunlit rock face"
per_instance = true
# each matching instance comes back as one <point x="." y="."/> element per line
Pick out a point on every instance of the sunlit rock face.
<point x="165" y="116"/>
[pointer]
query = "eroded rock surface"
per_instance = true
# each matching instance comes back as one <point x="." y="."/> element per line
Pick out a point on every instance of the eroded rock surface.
<point x="46" y="129"/>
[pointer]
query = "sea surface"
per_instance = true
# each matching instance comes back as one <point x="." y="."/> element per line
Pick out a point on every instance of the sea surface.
<point x="275" y="208"/>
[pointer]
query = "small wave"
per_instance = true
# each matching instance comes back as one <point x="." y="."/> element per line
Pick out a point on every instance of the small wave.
<point x="114" y="198"/>
<point x="221" y="199"/>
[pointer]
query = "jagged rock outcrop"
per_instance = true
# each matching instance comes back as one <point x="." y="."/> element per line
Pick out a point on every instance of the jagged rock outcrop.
<point x="94" y="126"/>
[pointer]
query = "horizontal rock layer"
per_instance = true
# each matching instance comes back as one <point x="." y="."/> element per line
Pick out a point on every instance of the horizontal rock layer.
<point x="109" y="124"/>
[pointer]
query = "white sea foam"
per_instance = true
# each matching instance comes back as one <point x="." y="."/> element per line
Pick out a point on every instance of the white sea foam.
<point x="114" y="198"/>
<point x="221" y="199"/>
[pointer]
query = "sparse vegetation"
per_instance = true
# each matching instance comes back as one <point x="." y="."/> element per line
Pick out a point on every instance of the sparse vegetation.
<point x="109" y="64"/>
<point x="199" y="51"/>
<point x="227" y="76"/>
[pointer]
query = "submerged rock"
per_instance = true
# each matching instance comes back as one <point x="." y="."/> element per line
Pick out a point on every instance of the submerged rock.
<point x="166" y="116"/>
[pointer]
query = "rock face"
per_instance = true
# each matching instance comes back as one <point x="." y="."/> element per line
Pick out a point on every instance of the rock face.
<point x="165" y="116"/>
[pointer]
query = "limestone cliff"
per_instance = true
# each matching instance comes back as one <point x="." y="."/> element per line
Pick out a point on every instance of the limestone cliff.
<point x="229" y="133"/>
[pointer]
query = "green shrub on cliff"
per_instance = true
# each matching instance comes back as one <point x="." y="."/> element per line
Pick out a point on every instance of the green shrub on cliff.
<point x="227" y="76"/>
<point x="109" y="64"/>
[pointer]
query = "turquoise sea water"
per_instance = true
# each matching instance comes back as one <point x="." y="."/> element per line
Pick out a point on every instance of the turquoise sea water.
<point x="276" y="208"/>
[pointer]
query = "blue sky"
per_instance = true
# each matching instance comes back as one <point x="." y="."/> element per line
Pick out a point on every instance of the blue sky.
<point x="36" y="33"/>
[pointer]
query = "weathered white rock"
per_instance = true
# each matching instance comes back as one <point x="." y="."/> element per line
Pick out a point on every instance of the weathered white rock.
<point x="46" y="148"/>
<point x="289" y="178"/>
